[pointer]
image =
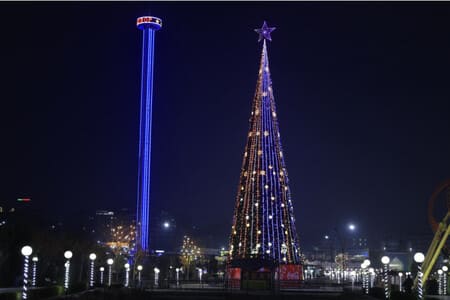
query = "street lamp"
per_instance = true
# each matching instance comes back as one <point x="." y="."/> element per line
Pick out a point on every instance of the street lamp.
<point x="166" y="225"/>
<point x="178" y="275"/>
<point x="364" y="285"/>
<point x="385" y="261"/>
<point x="440" y="281"/>
<point x="26" y="252"/>
<point x="371" y="276"/>
<point x="400" y="274"/>
<point x="127" y="274"/>
<point x="102" y="269"/>
<point x="351" y="226"/>
<point x="445" y="270"/>
<point x="139" y="268"/>
<point x="33" y="279"/>
<point x="419" y="258"/>
<point x="200" y="273"/>
<point x="366" y="275"/>
<point x="156" y="270"/>
<point x="110" y="262"/>
<point x="92" y="257"/>
<point x="68" y="255"/>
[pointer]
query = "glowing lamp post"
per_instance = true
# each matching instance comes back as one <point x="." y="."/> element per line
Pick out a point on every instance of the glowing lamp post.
<point x="367" y="264"/>
<point x="110" y="262"/>
<point x="419" y="258"/>
<point x="385" y="261"/>
<point x="102" y="269"/>
<point x="139" y="268"/>
<point x="353" y="275"/>
<point x="363" y="271"/>
<point x="68" y="255"/>
<point x="33" y="278"/>
<point x="92" y="257"/>
<point x="178" y="275"/>
<point x="127" y="274"/>
<point x="445" y="270"/>
<point x="156" y="270"/>
<point x="371" y="276"/>
<point x="440" y="281"/>
<point x="200" y="273"/>
<point x="26" y="252"/>
<point x="400" y="275"/>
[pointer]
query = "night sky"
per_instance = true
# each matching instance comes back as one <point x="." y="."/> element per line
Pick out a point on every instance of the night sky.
<point x="362" y="94"/>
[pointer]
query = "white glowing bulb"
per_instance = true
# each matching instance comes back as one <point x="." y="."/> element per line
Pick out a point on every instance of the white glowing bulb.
<point x="419" y="257"/>
<point x="26" y="250"/>
<point x="68" y="254"/>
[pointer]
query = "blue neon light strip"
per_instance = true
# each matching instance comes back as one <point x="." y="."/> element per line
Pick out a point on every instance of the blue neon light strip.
<point x="143" y="205"/>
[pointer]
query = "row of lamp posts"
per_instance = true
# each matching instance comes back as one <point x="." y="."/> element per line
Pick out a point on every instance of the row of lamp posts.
<point x="27" y="251"/>
<point x="418" y="258"/>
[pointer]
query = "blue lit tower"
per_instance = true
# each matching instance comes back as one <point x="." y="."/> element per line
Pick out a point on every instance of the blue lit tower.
<point x="263" y="223"/>
<point x="148" y="25"/>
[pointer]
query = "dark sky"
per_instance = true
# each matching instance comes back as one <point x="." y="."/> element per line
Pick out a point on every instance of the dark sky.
<point x="362" y="93"/>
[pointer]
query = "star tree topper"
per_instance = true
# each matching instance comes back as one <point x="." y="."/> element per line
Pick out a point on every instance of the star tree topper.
<point x="264" y="32"/>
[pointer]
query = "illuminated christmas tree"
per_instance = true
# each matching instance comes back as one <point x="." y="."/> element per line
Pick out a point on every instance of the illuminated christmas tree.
<point x="263" y="223"/>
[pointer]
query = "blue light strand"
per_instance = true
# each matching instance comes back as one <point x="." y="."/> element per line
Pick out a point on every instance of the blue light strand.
<point x="143" y="206"/>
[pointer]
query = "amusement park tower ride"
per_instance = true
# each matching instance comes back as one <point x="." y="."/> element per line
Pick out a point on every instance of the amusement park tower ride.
<point x="148" y="25"/>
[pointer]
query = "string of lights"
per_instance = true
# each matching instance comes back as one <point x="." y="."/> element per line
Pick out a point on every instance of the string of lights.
<point x="263" y="220"/>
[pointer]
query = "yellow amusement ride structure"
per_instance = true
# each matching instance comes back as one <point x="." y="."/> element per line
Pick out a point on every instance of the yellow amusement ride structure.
<point x="441" y="231"/>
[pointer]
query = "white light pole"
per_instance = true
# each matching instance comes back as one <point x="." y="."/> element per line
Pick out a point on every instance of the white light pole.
<point x="92" y="258"/>
<point x="68" y="255"/>
<point x="127" y="274"/>
<point x="178" y="275"/>
<point x="33" y="279"/>
<point x="419" y="258"/>
<point x="363" y="271"/>
<point x="440" y="281"/>
<point x="400" y="274"/>
<point x="371" y="277"/>
<point x="26" y="252"/>
<point x="200" y="273"/>
<point x="156" y="270"/>
<point x="445" y="270"/>
<point x="385" y="261"/>
<point x="110" y="262"/>
<point x="102" y="269"/>
<point x="139" y="268"/>
<point x="353" y="275"/>
<point x="367" y="263"/>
